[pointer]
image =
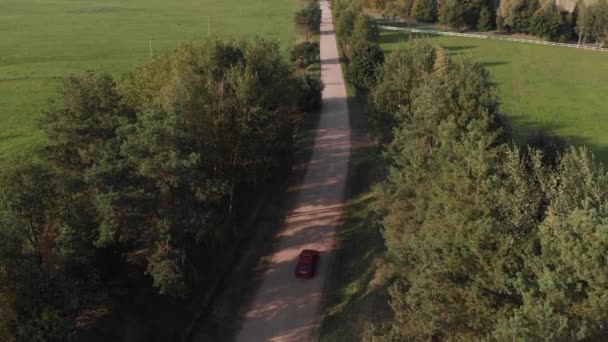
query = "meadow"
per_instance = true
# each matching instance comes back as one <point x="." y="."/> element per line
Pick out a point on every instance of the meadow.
<point x="43" y="41"/>
<point x="562" y="90"/>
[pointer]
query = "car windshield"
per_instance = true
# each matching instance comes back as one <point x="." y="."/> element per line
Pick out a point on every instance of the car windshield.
<point x="305" y="259"/>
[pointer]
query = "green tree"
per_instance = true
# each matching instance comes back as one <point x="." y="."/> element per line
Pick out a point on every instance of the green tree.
<point x="398" y="77"/>
<point x="363" y="66"/>
<point x="218" y="121"/>
<point x="305" y="54"/>
<point x="452" y="13"/>
<point x="425" y="10"/>
<point x="41" y="284"/>
<point x="364" y="29"/>
<point x="308" y="19"/>
<point x="487" y="18"/>
<point x="547" y="22"/>
<point x="77" y="128"/>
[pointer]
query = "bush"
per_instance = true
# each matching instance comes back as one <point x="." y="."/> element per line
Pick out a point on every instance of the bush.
<point x="452" y="13"/>
<point x="425" y="11"/>
<point x="309" y="93"/>
<point x="364" y="29"/>
<point x="363" y="66"/>
<point x="486" y="18"/>
<point x="308" y="18"/>
<point x="547" y="23"/>
<point x="305" y="54"/>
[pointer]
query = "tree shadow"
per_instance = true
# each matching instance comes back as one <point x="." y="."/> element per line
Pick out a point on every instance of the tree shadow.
<point x="459" y="48"/>
<point x="524" y="127"/>
<point x="492" y="64"/>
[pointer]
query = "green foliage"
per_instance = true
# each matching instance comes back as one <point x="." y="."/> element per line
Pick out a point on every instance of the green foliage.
<point x="305" y="54"/>
<point x="309" y="90"/>
<point x="41" y="284"/>
<point x="77" y="128"/>
<point x="487" y="18"/>
<point x="364" y="29"/>
<point x="308" y="19"/>
<point x="363" y="65"/>
<point x="398" y="77"/>
<point x="525" y="73"/>
<point x="452" y="13"/>
<point x="519" y="252"/>
<point x="425" y="10"/>
<point x="222" y="122"/>
<point x="517" y="15"/>
<point x="551" y="24"/>
<point x="397" y="8"/>
<point x="592" y="22"/>
<point x="158" y="165"/>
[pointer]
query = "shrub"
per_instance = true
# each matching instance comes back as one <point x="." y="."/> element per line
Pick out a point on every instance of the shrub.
<point x="452" y="13"/>
<point x="425" y="11"/>
<point x="305" y="54"/>
<point x="309" y="89"/>
<point x="308" y="18"/>
<point x="486" y="18"/>
<point x="363" y="66"/>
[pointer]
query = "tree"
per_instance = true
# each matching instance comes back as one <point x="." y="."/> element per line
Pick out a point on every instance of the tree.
<point x="364" y="29"/>
<point x="88" y="115"/>
<point x="547" y="22"/>
<point x="308" y="19"/>
<point x="362" y="67"/>
<point x="41" y="285"/>
<point x="305" y="54"/>
<point x="592" y="22"/>
<point x="425" y="10"/>
<point x="487" y="19"/>
<point x="519" y="254"/>
<point x="515" y="15"/>
<point x="210" y="129"/>
<point x="396" y="80"/>
<point x="309" y="93"/>
<point x="452" y="13"/>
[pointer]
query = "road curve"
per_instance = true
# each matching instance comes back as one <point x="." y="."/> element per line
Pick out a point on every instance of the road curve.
<point x="286" y="308"/>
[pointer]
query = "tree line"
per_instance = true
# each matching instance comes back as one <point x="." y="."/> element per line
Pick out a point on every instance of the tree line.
<point x="486" y="238"/>
<point x="152" y="172"/>
<point x="587" y="23"/>
<point x="491" y="240"/>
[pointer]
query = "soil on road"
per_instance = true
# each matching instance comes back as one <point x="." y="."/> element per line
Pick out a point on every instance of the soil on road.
<point x="286" y="308"/>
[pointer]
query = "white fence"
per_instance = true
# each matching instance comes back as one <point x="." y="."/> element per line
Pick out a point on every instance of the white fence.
<point x="482" y="36"/>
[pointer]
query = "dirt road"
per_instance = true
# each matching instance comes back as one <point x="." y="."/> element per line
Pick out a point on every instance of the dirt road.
<point x="286" y="308"/>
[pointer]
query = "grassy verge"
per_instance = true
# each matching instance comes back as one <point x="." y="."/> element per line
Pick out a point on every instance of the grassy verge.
<point x="552" y="88"/>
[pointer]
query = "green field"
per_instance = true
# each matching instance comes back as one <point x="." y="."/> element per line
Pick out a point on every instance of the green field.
<point x="560" y="89"/>
<point x="45" y="40"/>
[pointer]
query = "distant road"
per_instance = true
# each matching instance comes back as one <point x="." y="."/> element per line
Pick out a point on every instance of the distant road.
<point x="286" y="308"/>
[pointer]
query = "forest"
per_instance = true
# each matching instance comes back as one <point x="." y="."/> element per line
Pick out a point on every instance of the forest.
<point x="149" y="175"/>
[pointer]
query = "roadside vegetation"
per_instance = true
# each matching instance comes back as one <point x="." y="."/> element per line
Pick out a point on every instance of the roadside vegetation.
<point x="483" y="236"/>
<point x="143" y="180"/>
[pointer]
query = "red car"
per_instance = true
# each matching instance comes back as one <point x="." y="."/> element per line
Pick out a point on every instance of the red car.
<point x="307" y="263"/>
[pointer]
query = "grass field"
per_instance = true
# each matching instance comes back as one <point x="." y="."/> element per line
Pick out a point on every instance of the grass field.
<point x="45" y="40"/>
<point x="563" y="90"/>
